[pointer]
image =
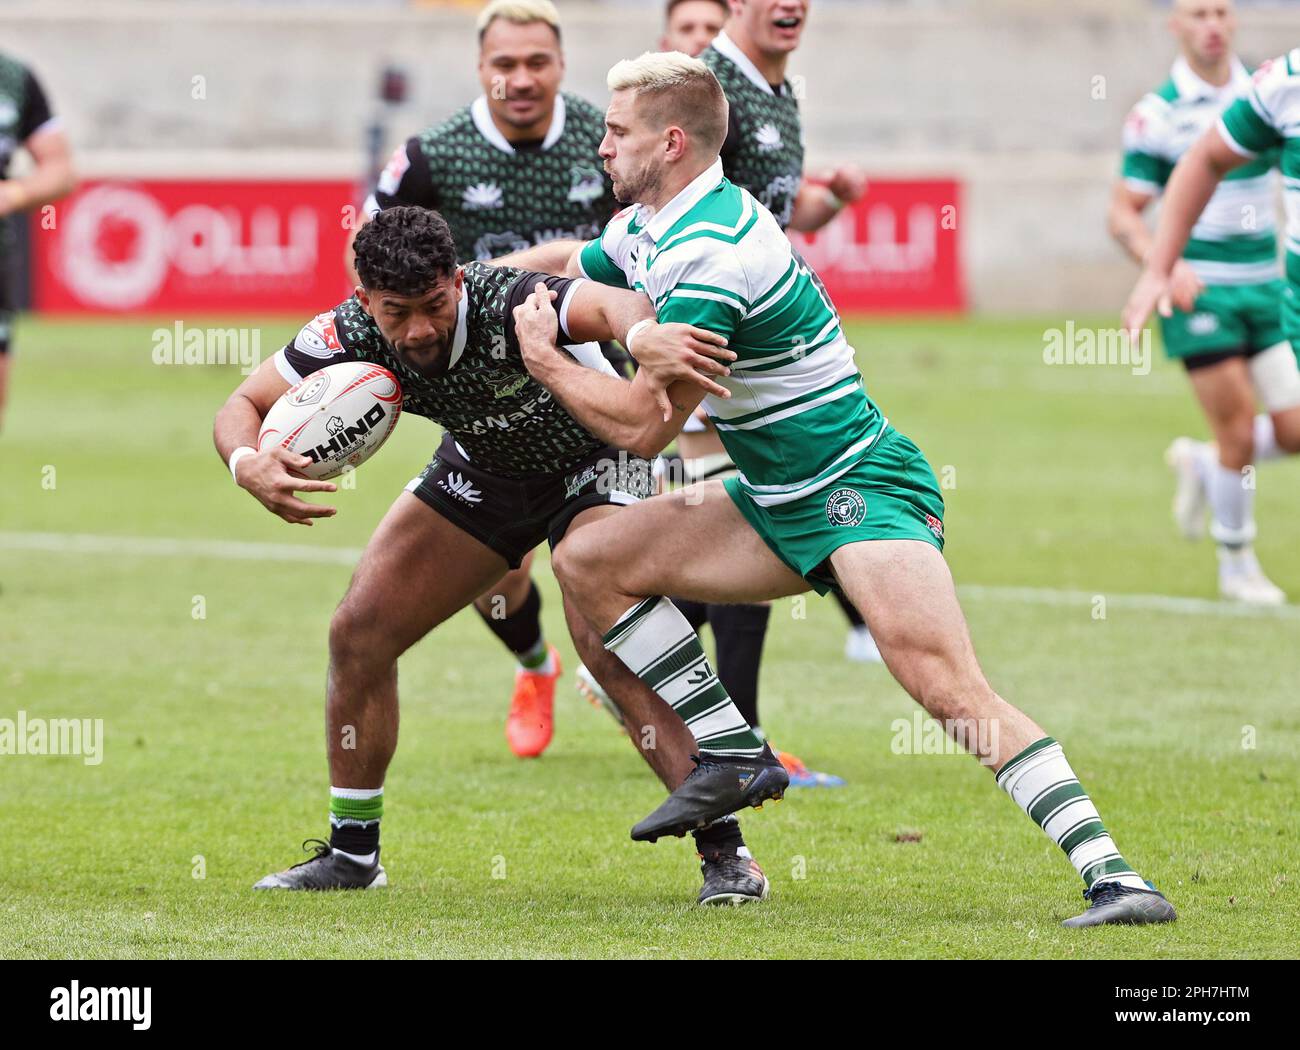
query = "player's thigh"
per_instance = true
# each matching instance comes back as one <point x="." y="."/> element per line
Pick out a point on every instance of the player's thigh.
<point x="905" y="593"/>
<point x="690" y="543"/>
<point x="417" y="570"/>
<point x="1225" y="392"/>
<point x="514" y="585"/>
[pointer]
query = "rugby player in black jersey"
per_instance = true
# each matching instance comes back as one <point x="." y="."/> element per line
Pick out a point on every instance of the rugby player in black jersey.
<point x="513" y="469"/>
<point x="517" y="167"/>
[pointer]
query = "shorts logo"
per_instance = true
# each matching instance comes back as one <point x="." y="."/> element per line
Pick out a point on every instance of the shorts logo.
<point x="845" y="507"/>
<point x="575" y="483"/>
<point x="935" y="526"/>
<point x="1202" y="324"/>
<point x="461" y="488"/>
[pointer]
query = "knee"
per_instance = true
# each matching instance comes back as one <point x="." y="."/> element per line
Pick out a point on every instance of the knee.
<point x="1236" y="438"/>
<point x="1286" y="430"/>
<point x="576" y="559"/>
<point x="355" y="644"/>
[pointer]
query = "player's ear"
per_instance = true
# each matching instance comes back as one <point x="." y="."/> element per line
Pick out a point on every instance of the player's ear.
<point x="676" y="144"/>
<point x="363" y="298"/>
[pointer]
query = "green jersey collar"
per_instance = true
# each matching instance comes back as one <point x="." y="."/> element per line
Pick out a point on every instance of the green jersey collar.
<point x="691" y="194"/>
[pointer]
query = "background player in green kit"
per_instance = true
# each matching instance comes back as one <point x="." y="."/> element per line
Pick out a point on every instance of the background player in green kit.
<point x="517" y="167"/>
<point x="25" y="121"/>
<point x="1226" y="327"/>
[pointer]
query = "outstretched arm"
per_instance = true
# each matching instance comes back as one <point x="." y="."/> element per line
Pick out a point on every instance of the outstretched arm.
<point x="1191" y="186"/>
<point x="1129" y="230"/>
<point x="558" y="258"/>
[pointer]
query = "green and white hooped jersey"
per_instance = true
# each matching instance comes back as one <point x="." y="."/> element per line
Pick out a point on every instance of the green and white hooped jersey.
<point x="1235" y="240"/>
<point x="1267" y="118"/>
<point x="798" y="416"/>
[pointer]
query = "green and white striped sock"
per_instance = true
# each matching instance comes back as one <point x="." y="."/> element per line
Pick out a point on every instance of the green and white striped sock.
<point x="655" y="640"/>
<point x="1042" y="783"/>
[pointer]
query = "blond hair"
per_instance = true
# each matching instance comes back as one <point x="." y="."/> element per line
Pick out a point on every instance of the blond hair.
<point x="520" y="12"/>
<point x="680" y="90"/>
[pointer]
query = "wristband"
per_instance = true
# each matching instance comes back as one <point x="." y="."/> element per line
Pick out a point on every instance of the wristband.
<point x="236" y="456"/>
<point x="634" y="331"/>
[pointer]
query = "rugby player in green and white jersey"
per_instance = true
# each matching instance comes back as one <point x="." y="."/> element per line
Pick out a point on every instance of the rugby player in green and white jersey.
<point x="830" y="495"/>
<point x="764" y="154"/>
<point x="1226" y="324"/>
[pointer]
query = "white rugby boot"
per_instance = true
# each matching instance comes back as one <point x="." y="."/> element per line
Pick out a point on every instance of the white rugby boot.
<point x="1242" y="580"/>
<point x="1191" y="500"/>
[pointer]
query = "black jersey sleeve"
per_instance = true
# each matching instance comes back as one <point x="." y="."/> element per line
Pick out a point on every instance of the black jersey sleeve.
<point x="36" y="108"/>
<point x="407" y="179"/>
<point x="316" y="345"/>
<point x="523" y="288"/>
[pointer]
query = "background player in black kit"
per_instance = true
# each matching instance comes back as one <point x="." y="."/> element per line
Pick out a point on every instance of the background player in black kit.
<point x="517" y="167"/>
<point x="491" y="493"/>
<point x="25" y="121"/>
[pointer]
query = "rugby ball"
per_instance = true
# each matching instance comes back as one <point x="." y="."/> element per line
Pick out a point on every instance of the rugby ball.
<point x="338" y="417"/>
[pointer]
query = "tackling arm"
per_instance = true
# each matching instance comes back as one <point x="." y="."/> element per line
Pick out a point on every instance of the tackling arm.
<point x="558" y="258"/>
<point x="627" y="415"/>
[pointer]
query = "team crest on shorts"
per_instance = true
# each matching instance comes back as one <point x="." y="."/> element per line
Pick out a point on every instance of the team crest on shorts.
<point x="845" y="507"/>
<point x="935" y="526"/>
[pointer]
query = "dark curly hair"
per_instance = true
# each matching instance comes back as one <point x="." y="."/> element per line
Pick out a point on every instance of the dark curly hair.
<point x="405" y="251"/>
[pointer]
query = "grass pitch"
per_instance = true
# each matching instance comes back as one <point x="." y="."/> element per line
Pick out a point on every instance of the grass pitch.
<point x="1180" y="718"/>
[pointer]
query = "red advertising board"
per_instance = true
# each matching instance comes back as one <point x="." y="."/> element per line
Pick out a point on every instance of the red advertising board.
<point x="276" y="246"/>
<point x="895" y="251"/>
<point x="200" y="246"/>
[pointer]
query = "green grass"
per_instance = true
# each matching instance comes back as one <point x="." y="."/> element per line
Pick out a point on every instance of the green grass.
<point x="213" y="726"/>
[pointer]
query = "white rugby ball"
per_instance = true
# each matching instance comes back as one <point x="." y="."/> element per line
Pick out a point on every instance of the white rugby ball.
<point x="338" y="417"/>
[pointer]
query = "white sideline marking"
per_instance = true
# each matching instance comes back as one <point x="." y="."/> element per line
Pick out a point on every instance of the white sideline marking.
<point x="162" y="547"/>
<point x="236" y="550"/>
<point x="1152" y="602"/>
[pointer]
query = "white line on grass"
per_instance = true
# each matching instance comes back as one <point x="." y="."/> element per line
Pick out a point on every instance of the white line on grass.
<point x="235" y="550"/>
